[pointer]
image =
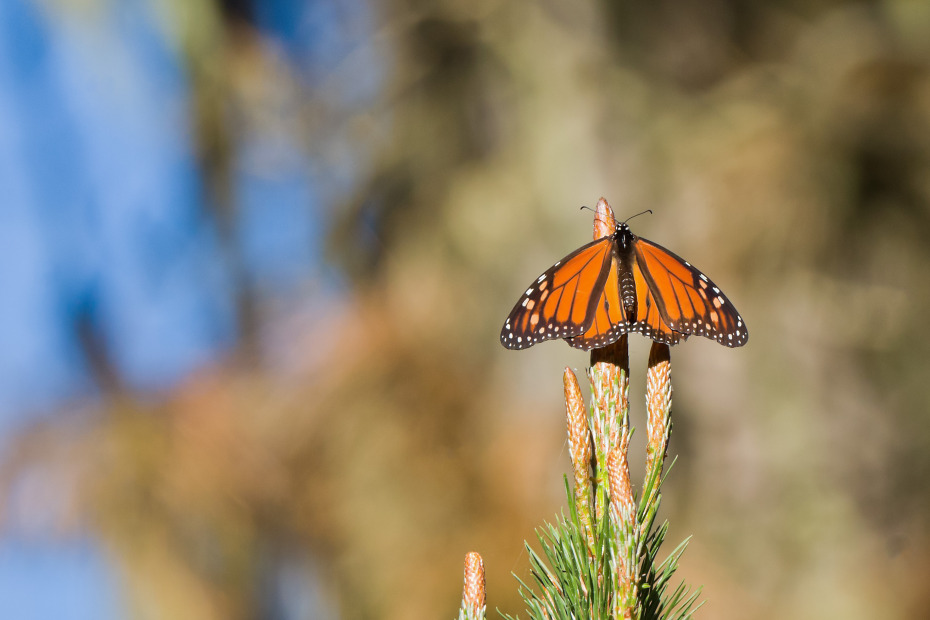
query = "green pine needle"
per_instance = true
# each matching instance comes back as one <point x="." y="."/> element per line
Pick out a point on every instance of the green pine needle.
<point x="572" y="581"/>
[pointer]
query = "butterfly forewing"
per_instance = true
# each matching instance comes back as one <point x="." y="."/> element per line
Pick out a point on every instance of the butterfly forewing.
<point x="687" y="301"/>
<point x="560" y="302"/>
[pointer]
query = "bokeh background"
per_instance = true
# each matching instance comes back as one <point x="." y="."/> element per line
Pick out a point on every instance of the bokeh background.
<point x="256" y="255"/>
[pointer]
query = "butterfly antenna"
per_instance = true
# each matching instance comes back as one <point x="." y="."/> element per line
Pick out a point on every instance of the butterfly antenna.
<point x="597" y="215"/>
<point x="649" y="211"/>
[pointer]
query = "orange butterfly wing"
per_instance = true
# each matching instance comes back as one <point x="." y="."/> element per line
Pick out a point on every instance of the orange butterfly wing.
<point x="561" y="301"/>
<point x="674" y="300"/>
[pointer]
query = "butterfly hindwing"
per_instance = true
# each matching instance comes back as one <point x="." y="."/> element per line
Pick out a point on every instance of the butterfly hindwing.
<point x="651" y="320"/>
<point x="560" y="302"/>
<point x="608" y="321"/>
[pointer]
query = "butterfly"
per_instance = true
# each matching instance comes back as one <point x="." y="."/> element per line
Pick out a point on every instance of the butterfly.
<point x="619" y="284"/>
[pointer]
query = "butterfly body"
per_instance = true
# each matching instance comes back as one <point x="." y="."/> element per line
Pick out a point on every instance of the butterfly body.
<point x="619" y="284"/>
<point x="623" y="249"/>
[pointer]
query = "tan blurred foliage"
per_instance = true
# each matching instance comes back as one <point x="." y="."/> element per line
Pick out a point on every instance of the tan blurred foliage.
<point x="785" y="149"/>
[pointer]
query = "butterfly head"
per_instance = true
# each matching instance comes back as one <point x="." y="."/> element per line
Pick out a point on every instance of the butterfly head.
<point x="624" y="236"/>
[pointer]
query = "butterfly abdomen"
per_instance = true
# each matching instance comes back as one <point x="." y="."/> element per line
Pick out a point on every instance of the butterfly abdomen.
<point x="628" y="292"/>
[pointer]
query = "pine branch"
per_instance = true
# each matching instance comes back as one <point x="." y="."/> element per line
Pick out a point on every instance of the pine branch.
<point x="605" y="563"/>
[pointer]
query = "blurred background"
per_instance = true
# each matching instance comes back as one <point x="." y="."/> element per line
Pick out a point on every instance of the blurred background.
<point x="257" y="253"/>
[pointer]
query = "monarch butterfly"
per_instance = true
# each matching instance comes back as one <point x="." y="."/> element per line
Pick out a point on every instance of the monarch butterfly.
<point x="617" y="284"/>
